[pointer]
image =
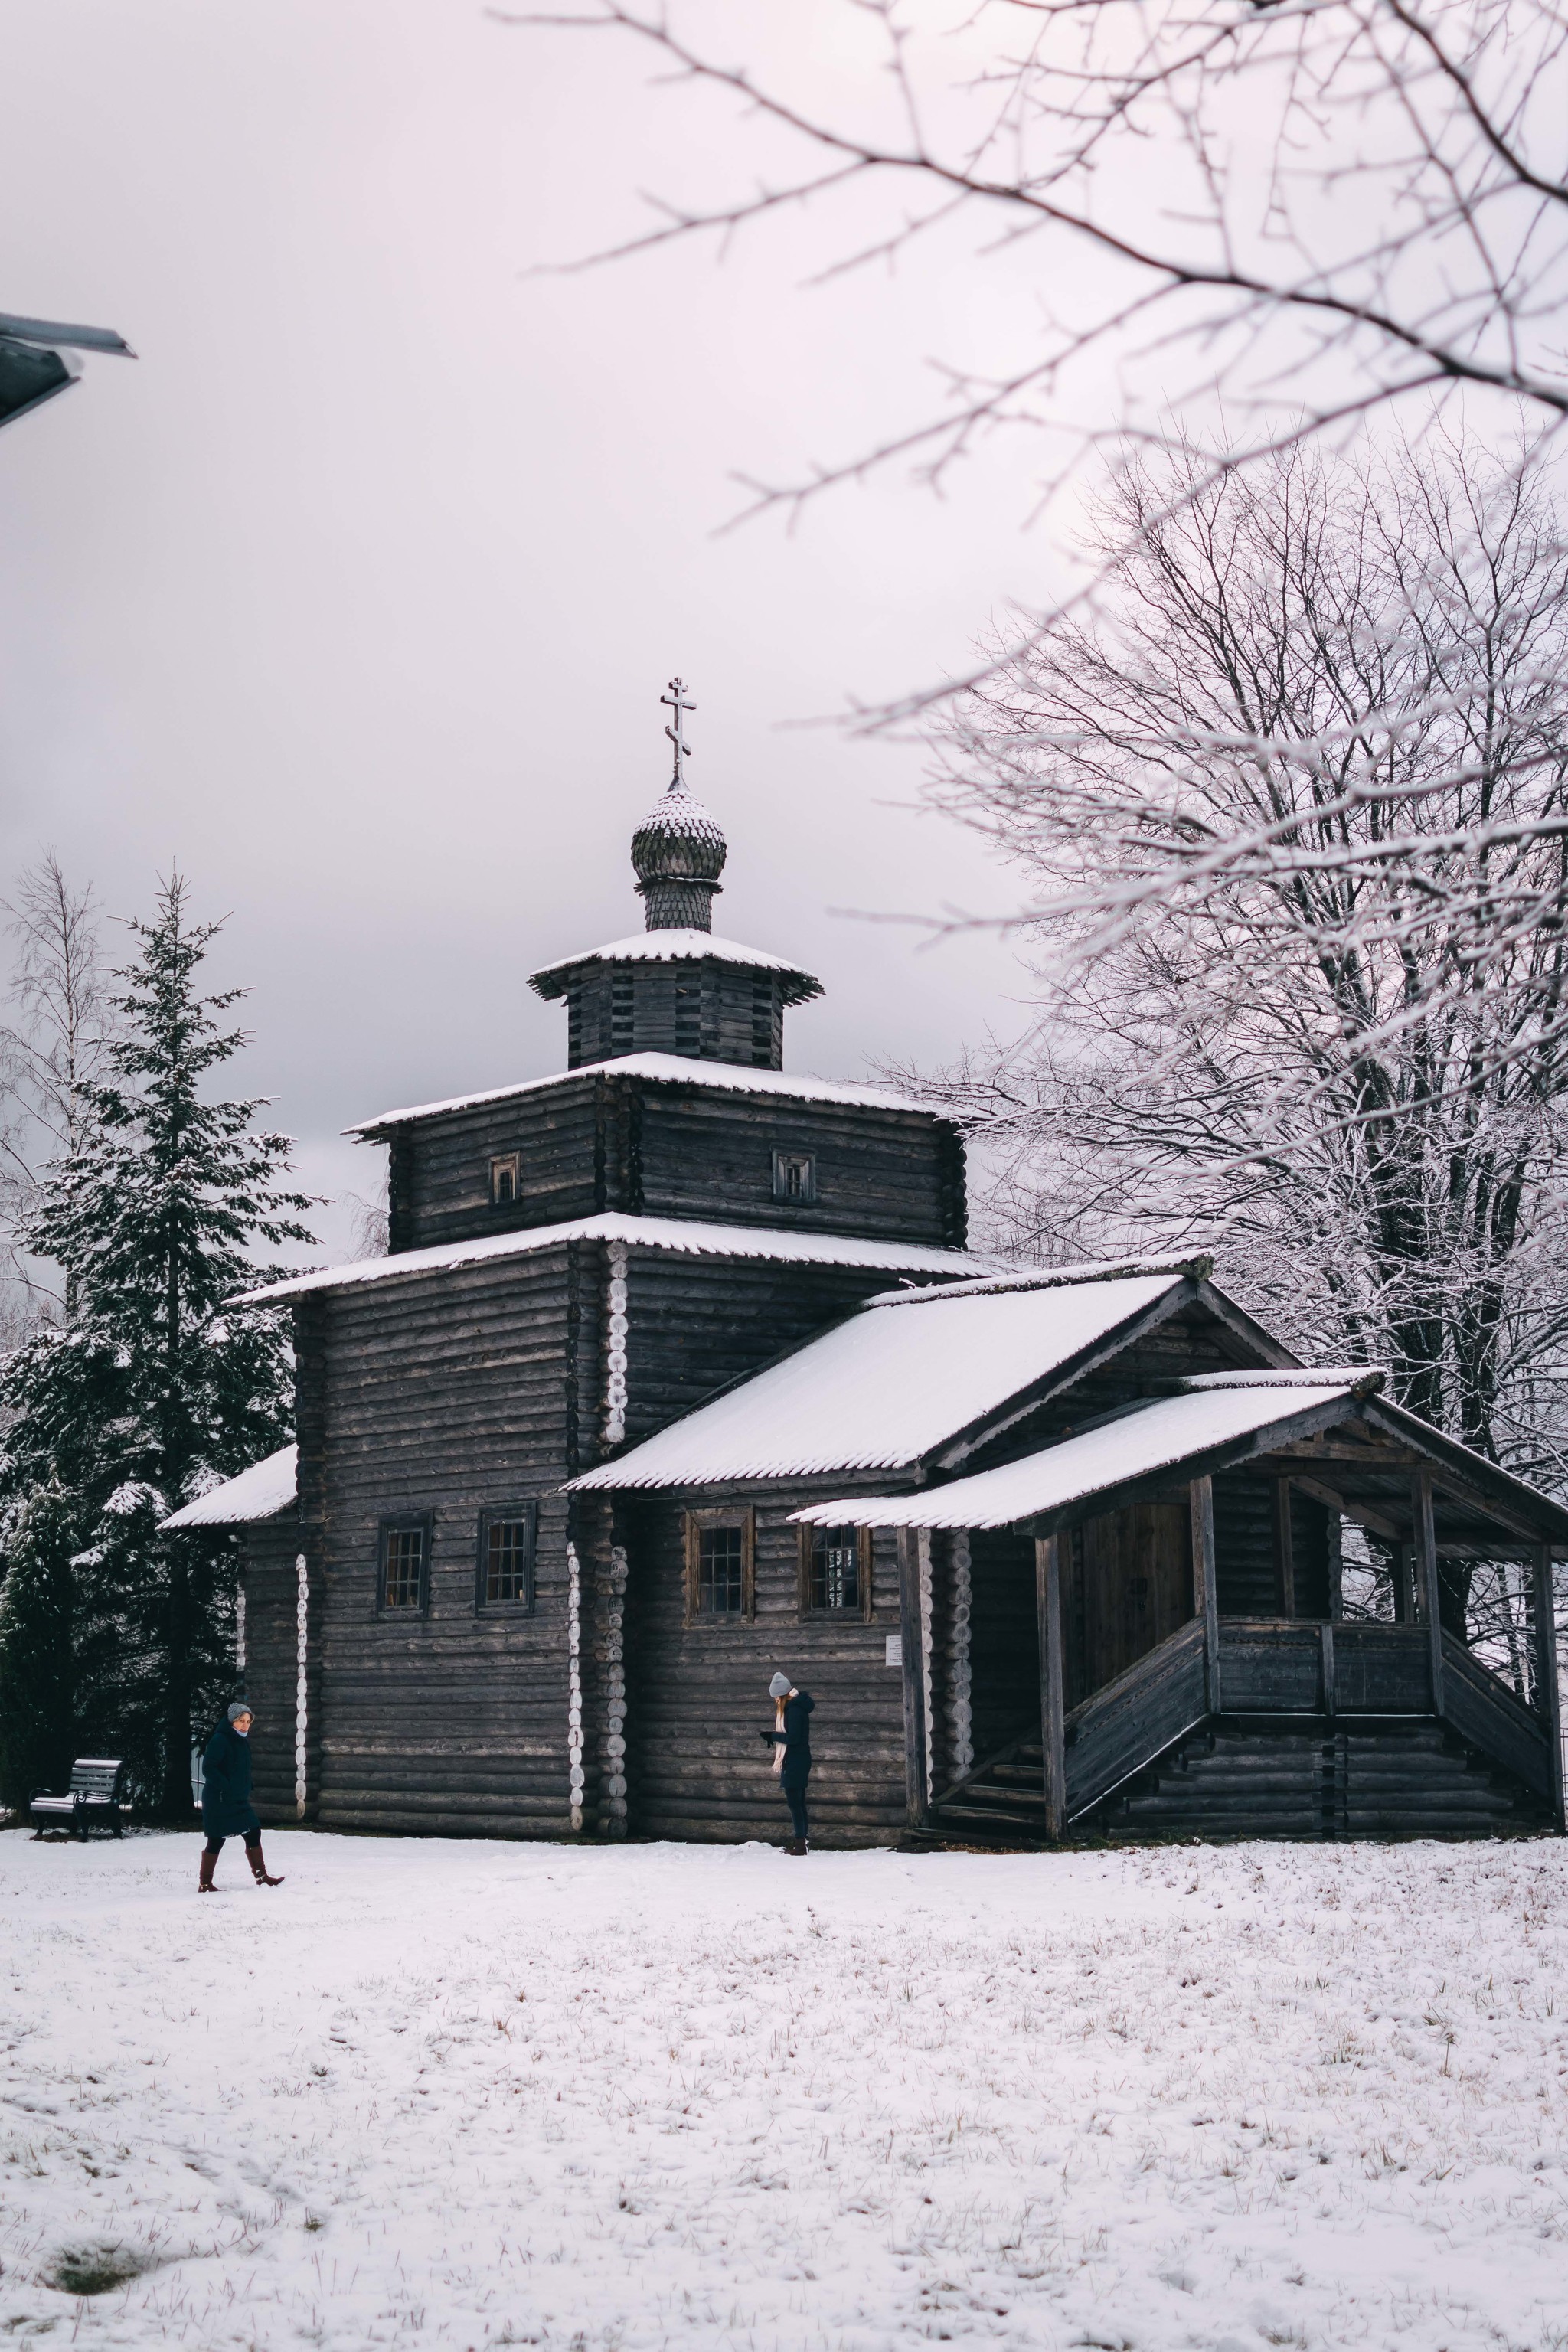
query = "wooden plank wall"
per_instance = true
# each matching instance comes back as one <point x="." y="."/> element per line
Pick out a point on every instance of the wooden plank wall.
<point x="697" y="1695"/>
<point x="444" y="1394"/>
<point x="606" y="1142"/>
<point x="712" y="1011"/>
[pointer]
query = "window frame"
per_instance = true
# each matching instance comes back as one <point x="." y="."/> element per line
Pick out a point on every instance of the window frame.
<point x="511" y="1162"/>
<point x="528" y="1511"/>
<point x="806" y="1197"/>
<point x="744" y="1518"/>
<point x="863" y="1612"/>
<point x="405" y="1523"/>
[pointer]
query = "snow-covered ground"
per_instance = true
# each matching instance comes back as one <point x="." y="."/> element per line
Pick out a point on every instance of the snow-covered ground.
<point x="466" y="2095"/>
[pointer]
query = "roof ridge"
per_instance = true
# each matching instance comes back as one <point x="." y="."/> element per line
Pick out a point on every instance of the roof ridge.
<point x="1198" y="1267"/>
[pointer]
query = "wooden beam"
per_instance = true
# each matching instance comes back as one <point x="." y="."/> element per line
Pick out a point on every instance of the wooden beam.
<point x="1404" y="1591"/>
<point x="1427" y="1579"/>
<point x="1361" y="1513"/>
<point x="1206" y="1588"/>
<point x="1284" y="1548"/>
<point x="1053" y="1707"/>
<point x="1326" y="1636"/>
<point x="1548" y="1696"/>
<point x="911" y="1649"/>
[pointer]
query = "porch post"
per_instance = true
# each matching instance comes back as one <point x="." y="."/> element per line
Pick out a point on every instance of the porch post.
<point x="1427" y="1579"/>
<point x="1548" y="1698"/>
<point x="1049" y="1602"/>
<point x="911" y="1651"/>
<point x="1403" y="1609"/>
<point x="1285" y="1547"/>
<point x="1205" y="1587"/>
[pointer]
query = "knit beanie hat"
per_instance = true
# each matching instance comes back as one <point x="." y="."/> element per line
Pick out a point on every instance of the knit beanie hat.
<point x="240" y="1706"/>
<point x="780" y="1687"/>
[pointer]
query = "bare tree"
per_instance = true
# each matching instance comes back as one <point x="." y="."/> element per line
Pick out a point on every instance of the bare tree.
<point x="53" y="1051"/>
<point x="1351" y="1069"/>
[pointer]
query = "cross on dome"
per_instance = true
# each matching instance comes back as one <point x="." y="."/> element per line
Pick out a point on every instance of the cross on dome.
<point x="676" y="701"/>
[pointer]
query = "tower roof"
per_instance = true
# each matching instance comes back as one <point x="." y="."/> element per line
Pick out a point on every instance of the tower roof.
<point x="678" y="946"/>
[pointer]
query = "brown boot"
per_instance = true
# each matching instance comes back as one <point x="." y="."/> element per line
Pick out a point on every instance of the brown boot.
<point x="209" y="1864"/>
<point x="259" y="1870"/>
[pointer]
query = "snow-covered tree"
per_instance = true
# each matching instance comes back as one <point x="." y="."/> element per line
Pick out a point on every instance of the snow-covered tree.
<point x="1346" y="1064"/>
<point x="146" y="1390"/>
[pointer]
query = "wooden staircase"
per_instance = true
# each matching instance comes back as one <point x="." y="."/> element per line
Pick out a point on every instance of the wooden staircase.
<point x="1146" y="1757"/>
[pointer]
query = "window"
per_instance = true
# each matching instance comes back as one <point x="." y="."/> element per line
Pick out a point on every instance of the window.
<point x="505" y="1565"/>
<point x="795" y="1178"/>
<point x="720" y="1565"/>
<point x="403" y="1577"/>
<point x="835" y="1571"/>
<point x="504" y="1178"/>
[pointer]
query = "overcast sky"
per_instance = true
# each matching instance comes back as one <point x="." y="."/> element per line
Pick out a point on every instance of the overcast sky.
<point x="356" y="593"/>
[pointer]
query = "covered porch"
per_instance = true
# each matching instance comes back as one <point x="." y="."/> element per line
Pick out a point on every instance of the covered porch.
<point x="1264" y="1604"/>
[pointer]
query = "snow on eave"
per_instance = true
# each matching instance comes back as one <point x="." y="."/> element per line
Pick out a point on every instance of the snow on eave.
<point x="674" y="945"/>
<point x="1156" y="1439"/>
<point x="267" y="1488"/>
<point x="1362" y="1380"/>
<point x="1050" y="1278"/>
<point x="668" y="1069"/>
<point x="684" y="1236"/>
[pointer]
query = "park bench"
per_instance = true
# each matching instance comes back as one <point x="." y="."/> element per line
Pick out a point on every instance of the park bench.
<point x="93" y="1796"/>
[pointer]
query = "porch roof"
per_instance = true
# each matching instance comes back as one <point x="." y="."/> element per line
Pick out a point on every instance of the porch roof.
<point x="1206" y="1419"/>
<point x="902" y="1376"/>
<point x="267" y="1488"/>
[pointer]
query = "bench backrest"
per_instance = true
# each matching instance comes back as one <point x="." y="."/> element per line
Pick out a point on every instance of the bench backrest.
<point x="96" y="1778"/>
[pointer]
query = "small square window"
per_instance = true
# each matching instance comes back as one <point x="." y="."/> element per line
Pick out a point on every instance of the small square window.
<point x="403" y="1570"/>
<point x="505" y="1176"/>
<point x="795" y="1178"/>
<point x="505" y="1564"/>
<point x="720" y="1565"/>
<point x="835" y="1571"/>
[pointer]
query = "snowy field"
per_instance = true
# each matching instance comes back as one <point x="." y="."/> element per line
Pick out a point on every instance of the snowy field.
<point x="467" y="2095"/>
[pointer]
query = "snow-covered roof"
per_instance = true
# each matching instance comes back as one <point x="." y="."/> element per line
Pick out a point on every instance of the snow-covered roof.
<point x="671" y="1069"/>
<point x="679" y="1233"/>
<point x="1161" y="1434"/>
<point x="259" y="1493"/>
<point x="675" y="945"/>
<point x="886" y="1388"/>
<point x="1055" y="1277"/>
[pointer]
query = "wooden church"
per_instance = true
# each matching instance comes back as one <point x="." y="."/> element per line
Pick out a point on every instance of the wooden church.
<point x="678" y="1371"/>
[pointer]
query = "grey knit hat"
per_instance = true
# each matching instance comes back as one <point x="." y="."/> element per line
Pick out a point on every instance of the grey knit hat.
<point x="240" y="1706"/>
<point x="780" y="1687"/>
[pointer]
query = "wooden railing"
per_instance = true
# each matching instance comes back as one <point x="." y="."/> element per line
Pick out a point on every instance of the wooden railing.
<point x="1117" y="1730"/>
<point x="1483" y="1710"/>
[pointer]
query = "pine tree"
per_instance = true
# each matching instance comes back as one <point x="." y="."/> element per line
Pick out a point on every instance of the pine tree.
<point x="147" y="1391"/>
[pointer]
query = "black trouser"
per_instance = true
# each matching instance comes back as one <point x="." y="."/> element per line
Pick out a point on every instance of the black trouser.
<point x="794" y="1798"/>
<point x="252" y="1843"/>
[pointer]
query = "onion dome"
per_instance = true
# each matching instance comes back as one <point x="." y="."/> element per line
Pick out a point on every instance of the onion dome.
<point x="678" y="855"/>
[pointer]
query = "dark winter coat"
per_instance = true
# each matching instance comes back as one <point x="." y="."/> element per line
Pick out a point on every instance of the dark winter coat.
<point x="796" y="1738"/>
<point x="226" y="1808"/>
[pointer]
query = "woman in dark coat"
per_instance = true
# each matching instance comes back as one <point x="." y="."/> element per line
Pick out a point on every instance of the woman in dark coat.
<point x="226" y="1808"/>
<point x="791" y="1734"/>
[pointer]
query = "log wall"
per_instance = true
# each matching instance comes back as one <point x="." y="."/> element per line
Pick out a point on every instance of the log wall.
<point x="271" y="1587"/>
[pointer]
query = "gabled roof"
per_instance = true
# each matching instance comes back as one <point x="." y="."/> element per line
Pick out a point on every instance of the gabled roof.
<point x="1166" y="1433"/>
<point x="901" y="1378"/>
<point x="678" y="946"/>
<point x="684" y="1236"/>
<point x="670" y="1069"/>
<point x="259" y="1493"/>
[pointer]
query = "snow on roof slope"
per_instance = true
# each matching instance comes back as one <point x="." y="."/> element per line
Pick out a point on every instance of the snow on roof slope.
<point x="672" y="946"/>
<point x="679" y="1233"/>
<point x="671" y="1069"/>
<point x="884" y="1389"/>
<point x="1159" y="1435"/>
<point x="1054" y="1278"/>
<point x="259" y="1493"/>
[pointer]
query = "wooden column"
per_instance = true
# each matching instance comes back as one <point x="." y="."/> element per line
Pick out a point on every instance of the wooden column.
<point x="1426" y="1579"/>
<point x="1053" y="1710"/>
<point x="911" y="1649"/>
<point x="1548" y="1698"/>
<point x="1326" y="1639"/>
<point x="1284" y="1548"/>
<point x="1205" y="1587"/>
<point x="1404" y="1601"/>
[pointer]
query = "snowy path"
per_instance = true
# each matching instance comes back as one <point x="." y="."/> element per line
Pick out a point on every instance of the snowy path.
<point x="464" y="2094"/>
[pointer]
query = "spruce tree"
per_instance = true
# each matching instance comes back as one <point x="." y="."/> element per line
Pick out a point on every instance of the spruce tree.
<point x="147" y="1391"/>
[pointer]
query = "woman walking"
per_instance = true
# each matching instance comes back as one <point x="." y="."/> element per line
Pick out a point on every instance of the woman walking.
<point x="791" y="1738"/>
<point x="226" y="1808"/>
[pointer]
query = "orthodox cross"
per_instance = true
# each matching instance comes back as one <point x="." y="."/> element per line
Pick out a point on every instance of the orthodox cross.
<point x="676" y="699"/>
